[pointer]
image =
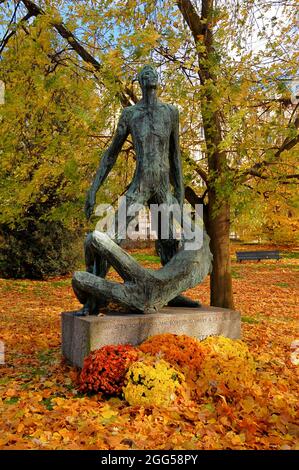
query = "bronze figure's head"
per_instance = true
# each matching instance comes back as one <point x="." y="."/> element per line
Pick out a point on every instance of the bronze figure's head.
<point x="148" y="77"/>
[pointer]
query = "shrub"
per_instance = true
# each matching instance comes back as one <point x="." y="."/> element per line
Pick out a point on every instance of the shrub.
<point x="37" y="251"/>
<point x="228" y="366"/>
<point x="104" y="370"/>
<point x="153" y="382"/>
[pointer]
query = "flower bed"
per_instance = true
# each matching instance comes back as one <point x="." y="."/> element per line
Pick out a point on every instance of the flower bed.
<point x="163" y="366"/>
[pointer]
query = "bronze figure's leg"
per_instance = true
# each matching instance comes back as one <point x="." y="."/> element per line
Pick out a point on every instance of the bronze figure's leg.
<point x="167" y="248"/>
<point x="99" y="265"/>
<point x="133" y="293"/>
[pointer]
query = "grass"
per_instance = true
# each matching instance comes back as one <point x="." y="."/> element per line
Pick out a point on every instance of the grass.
<point x="47" y="402"/>
<point x="4" y="380"/>
<point x="61" y="283"/>
<point x="272" y="266"/>
<point x="145" y="257"/>
<point x="46" y="356"/>
<point x="11" y="401"/>
<point x="8" y="288"/>
<point x="250" y="320"/>
<point x="290" y="254"/>
<point x="39" y="291"/>
<point x="22" y="286"/>
<point x="35" y="377"/>
<point x="236" y="274"/>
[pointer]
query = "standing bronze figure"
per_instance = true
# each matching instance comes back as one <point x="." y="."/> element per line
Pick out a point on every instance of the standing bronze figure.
<point x="154" y="127"/>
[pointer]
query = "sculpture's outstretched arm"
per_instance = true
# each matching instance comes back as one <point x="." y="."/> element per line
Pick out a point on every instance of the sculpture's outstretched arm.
<point x="175" y="159"/>
<point x="107" y="162"/>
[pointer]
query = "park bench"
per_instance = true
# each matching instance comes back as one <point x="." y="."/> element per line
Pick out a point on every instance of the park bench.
<point x="257" y="255"/>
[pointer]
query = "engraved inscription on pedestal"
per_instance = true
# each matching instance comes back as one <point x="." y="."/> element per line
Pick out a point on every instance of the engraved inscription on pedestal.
<point x="80" y="335"/>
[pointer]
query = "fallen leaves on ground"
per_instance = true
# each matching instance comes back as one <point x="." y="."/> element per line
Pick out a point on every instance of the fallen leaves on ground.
<point x="42" y="409"/>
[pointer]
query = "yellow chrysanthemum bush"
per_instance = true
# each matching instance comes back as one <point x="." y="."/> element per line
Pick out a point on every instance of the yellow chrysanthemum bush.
<point x="228" y="367"/>
<point x="153" y="381"/>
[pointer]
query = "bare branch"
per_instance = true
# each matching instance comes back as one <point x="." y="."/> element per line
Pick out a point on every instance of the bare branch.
<point x="65" y="33"/>
<point x="290" y="177"/>
<point x="288" y="144"/>
<point x="126" y="94"/>
<point x="194" y="199"/>
<point x="191" y="17"/>
<point x="200" y="171"/>
<point x="13" y="32"/>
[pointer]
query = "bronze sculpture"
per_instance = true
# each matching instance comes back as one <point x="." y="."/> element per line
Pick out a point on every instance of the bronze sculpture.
<point x="154" y="127"/>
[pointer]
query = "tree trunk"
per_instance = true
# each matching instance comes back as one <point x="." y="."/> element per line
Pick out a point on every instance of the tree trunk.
<point x="218" y="205"/>
<point x="218" y="229"/>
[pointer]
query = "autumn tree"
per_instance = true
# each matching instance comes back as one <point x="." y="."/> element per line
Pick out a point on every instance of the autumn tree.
<point x="47" y="148"/>
<point x="266" y="212"/>
<point x="55" y="121"/>
<point x="225" y="64"/>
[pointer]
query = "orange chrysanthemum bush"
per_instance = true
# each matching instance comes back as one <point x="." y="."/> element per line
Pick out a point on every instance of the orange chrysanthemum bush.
<point x="228" y="367"/>
<point x="104" y="370"/>
<point x="181" y="351"/>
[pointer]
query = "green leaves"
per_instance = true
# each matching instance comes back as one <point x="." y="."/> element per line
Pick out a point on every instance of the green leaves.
<point x="56" y="122"/>
<point x="46" y="119"/>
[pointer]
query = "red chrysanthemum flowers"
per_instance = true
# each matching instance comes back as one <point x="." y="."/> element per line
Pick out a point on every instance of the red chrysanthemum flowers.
<point x="104" y="370"/>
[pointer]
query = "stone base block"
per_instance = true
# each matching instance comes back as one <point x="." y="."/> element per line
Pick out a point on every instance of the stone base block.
<point x="80" y="335"/>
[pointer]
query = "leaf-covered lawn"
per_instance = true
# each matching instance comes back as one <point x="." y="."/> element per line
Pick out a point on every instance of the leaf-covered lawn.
<point x="41" y="409"/>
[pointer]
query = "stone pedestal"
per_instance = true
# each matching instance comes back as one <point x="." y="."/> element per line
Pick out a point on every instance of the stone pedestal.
<point x="80" y="335"/>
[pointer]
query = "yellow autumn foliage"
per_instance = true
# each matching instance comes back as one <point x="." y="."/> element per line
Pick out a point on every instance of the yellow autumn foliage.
<point x="227" y="367"/>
